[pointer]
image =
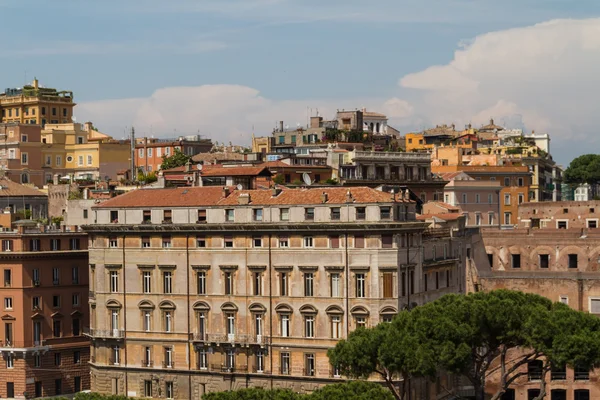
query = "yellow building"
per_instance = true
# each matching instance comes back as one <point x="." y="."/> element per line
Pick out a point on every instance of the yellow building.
<point x="36" y="105"/>
<point x="81" y="152"/>
<point x="261" y="144"/>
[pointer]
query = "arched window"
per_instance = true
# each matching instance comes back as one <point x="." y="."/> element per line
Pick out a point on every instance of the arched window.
<point x="361" y="316"/>
<point x="258" y="313"/>
<point x="229" y="312"/>
<point x="168" y="315"/>
<point x="285" y="315"/>
<point x="146" y="311"/>
<point x="335" y="314"/>
<point x="201" y="309"/>
<point x="386" y="314"/>
<point x="309" y="313"/>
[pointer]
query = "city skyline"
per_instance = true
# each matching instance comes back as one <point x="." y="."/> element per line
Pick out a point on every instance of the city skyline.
<point x="222" y="68"/>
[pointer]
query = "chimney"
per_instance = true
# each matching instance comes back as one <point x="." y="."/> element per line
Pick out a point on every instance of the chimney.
<point x="323" y="197"/>
<point x="55" y="179"/>
<point x="160" y="180"/>
<point x="244" y="199"/>
<point x="188" y="166"/>
<point x="280" y="126"/>
<point x="225" y="191"/>
<point x="348" y="197"/>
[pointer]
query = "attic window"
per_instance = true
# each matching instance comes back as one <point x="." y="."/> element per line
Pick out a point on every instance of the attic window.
<point x="565" y="210"/>
<point x="591" y="210"/>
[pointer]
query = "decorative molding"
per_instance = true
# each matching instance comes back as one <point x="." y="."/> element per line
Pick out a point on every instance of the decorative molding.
<point x="308" y="268"/>
<point x="334" y="267"/>
<point x="201" y="267"/>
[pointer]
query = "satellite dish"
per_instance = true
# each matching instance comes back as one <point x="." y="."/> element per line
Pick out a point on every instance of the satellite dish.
<point x="306" y="179"/>
<point x="239" y="186"/>
<point x="199" y="167"/>
<point x="74" y="119"/>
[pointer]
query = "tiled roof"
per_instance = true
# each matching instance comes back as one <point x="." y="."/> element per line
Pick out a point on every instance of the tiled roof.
<point x="444" y="216"/>
<point x="373" y="114"/>
<point x="447" y="206"/>
<point x="220" y="170"/>
<point x="10" y="188"/>
<point x="213" y="196"/>
<point x="221" y="156"/>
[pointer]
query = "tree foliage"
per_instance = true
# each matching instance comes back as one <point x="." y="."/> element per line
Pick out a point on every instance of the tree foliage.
<point x="583" y="169"/>
<point x="255" y="394"/>
<point x="178" y="159"/>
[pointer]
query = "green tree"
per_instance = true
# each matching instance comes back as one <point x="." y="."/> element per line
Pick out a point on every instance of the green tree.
<point x="178" y="159"/>
<point x="583" y="169"/>
<point x="279" y="179"/>
<point x="353" y="390"/>
<point x="255" y="394"/>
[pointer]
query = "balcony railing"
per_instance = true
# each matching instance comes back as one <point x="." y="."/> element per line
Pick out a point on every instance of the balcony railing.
<point x="104" y="333"/>
<point x="582" y="375"/>
<point x="168" y="364"/>
<point x="147" y="363"/>
<point x="231" y="338"/>
<point x="228" y="369"/>
<point x="12" y="344"/>
<point x="395" y="156"/>
<point x="558" y="375"/>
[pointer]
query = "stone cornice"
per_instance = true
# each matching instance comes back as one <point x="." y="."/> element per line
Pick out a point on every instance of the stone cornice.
<point x="40" y="255"/>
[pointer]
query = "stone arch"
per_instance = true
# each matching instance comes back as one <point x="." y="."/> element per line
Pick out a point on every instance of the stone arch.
<point x="257" y="308"/>
<point x="112" y="303"/>
<point x="201" y="306"/>
<point x="146" y="304"/>
<point x="167" y="305"/>
<point x="284" y="308"/>
<point x="308" y="309"/>
<point x="229" y="307"/>
<point x="359" y="310"/>
<point x="334" y="310"/>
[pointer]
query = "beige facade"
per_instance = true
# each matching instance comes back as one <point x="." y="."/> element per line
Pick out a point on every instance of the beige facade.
<point x="227" y="289"/>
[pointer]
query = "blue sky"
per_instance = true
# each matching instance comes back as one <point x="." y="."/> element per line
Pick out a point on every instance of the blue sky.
<point x="223" y="66"/>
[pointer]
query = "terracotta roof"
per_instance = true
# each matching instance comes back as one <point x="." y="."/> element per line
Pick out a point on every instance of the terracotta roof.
<point x="373" y="114"/>
<point x="447" y="206"/>
<point x="10" y="188"/>
<point x="448" y="176"/>
<point x="281" y="164"/>
<point x="444" y="216"/>
<point x="220" y="156"/>
<point x="220" y="170"/>
<point x="213" y="196"/>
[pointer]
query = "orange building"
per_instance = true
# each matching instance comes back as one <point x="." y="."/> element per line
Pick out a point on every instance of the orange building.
<point x="44" y="310"/>
<point x="149" y="153"/>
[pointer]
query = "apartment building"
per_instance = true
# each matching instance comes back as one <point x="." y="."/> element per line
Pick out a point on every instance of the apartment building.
<point x="44" y="295"/>
<point x="149" y="152"/>
<point x="22" y="201"/>
<point x="203" y="289"/>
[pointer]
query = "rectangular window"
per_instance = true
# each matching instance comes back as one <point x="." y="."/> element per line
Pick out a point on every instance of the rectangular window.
<point x="257" y="279"/>
<point x="203" y="359"/>
<point x="309" y="326"/>
<point x="114" y="281"/>
<point x="7" y="277"/>
<point x="201" y="216"/>
<point x="490" y="219"/>
<point x="309" y="214"/>
<point x="308" y="242"/>
<point x="75" y="300"/>
<point x="520" y="181"/>
<point x="507" y="199"/>
<point x="592" y="224"/>
<point x="85" y="214"/>
<point x="7" y="245"/>
<point x="336" y="327"/>
<point x="169" y="390"/>
<point x="167" y="282"/>
<point x="506" y="182"/>
<point x="166" y="242"/>
<point x="336" y="213"/>
<point x="113" y="242"/>
<point x="89" y="160"/>
<point x="257" y="214"/>
<point x="359" y="241"/>
<point x="334" y="242"/>
<point x="361" y="213"/>
<point x="168" y="321"/>
<point x="544" y="260"/>
<point x="76" y="357"/>
<point x="385" y="212"/>
<point x="201" y="282"/>
<point x="360" y="285"/>
<point x="35" y="302"/>
<point x="507" y="218"/>
<point x="228" y="283"/>
<point x="24" y="158"/>
<point x="308" y="284"/>
<point x="229" y="215"/>
<point x="309" y="365"/>
<point x="285" y="325"/>
<point x="147" y="388"/>
<point x="283" y="284"/>
<point x="284" y="214"/>
<point x="572" y="261"/>
<point x="147" y="281"/>
<point x="147" y="216"/>
<point x="80" y="161"/>
<point x="74" y="244"/>
<point x="388" y="285"/>
<point x="58" y="161"/>
<point x="387" y="241"/>
<point x="147" y="320"/>
<point x="516" y="260"/>
<point x="200" y="241"/>
<point x="145" y="241"/>
<point x="228" y="241"/>
<point x="167" y="216"/>
<point x="8" y="303"/>
<point x="562" y="224"/>
<point x="257" y="242"/>
<point x="285" y="363"/>
<point x="56" y="328"/>
<point x="55" y="276"/>
<point x="335" y="284"/>
<point x="284" y="242"/>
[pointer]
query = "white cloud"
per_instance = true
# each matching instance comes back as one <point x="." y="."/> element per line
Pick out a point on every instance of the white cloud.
<point x="221" y="112"/>
<point x="544" y="76"/>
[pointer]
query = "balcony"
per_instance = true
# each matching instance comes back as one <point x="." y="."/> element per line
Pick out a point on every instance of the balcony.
<point x="104" y="333"/>
<point x="582" y="374"/>
<point x="168" y="364"/>
<point x="393" y="156"/>
<point x="21" y="345"/>
<point x="147" y="363"/>
<point x="228" y="369"/>
<point x="241" y="339"/>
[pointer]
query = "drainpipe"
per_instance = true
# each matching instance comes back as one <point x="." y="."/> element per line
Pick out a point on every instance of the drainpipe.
<point x="125" y="316"/>
<point x="189" y="332"/>
<point x="270" y="345"/>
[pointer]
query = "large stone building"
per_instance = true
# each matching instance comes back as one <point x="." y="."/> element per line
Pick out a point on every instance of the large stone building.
<point x="44" y="311"/>
<point x="554" y="252"/>
<point x="36" y="105"/>
<point x="202" y="289"/>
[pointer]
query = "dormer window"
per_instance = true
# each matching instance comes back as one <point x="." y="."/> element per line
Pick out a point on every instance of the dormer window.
<point x="309" y="214"/>
<point x="147" y="217"/>
<point x="385" y="212"/>
<point x="335" y="213"/>
<point x="361" y="213"/>
<point x="167" y="217"/>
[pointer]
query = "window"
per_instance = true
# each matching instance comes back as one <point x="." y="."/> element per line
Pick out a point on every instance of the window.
<point x="336" y="326"/>
<point x="477" y="219"/>
<point x="490" y="218"/>
<point x="37" y="360"/>
<point x="385" y="212"/>
<point x="581" y="394"/>
<point x="490" y="199"/>
<point x="257" y="214"/>
<point x="387" y="241"/>
<point x="360" y="285"/>
<point x="200" y="241"/>
<point x="147" y="217"/>
<point x="75" y="300"/>
<point x="230" y="323"/>
<point x="167" y="282"/>
<point x="7" y="245"/>
<point x="7" y="277"/>
<point x="166" y="242"/>
<point x="257" y="278"/>
<point x="147" y="388"/>
<point x="114" y="320"/>
<point x="564" y="299"/>
<point x="521" y="198"/>
<point x="169" y="390"/>
<point x="309" y="326"/>
<point x="507" y="218"/>
<point x="145" y="241"/>
<point x="147" y="281"/>
<point x="516" y="260"/>
<point x="506" y="181"/>
<point x="113" y="242"/>
<point x="361" y="322"/>
<point x="167" y="216"/>
<point x="85" y="214"/>
<point x="308" y="242"/>
<point x="58" y="161"/>
<point x="57" y="384"/>
<point x="201" y="216"/>
<point x="229" y="215"/>
<point x="562" y="224"/>
<point x="228" y="283"/>
<point x="56" y="328"/>
<point x="203" y="359"/>
<point x="201" y="282"/>
<point x="55" y="276"/>
<point x="114" y="281"/>
<point x="89" y="160"/>
<point x="507" y="199"/>
<point x="257" y="242"/>
<point x="168" y="321"/>
<point x="55" y="244"/>
<point x="147" y="320"/>
<point x="309" y="214"/>
<point x="35" y="302"/>
<point x="388" y="285"/>
<point x="581" y="374"/>
<point x="283" y="284"/>
<point x="228" y="241"/>
<point x="334" y="242"/>
<point x="335" y="213"/>
<point x="308" y="284"/>
<point x="24" y="158"/>
<point x="520" y="181"/>
<point x="309" y="364"/>
<point x="361" y="213"/>
<point x="592" y="223"/>
<point x="285" y="214"/>
<point x="359" y="241"/>
<point x="284" y="241"/>
<point x="285" y="325"/>
<point x="74" y="244"/>
<point x="335" y="284"/>
<point x="572" y="261"/>
<point x="544" y="260"/>
<point x="285" y="363"/>
<point x="76" y="357"/>
<point x="80" y="161"/>
<point x="464" y="198"/>
<point x="8" y="303"/>
<point x="534" y="370"/>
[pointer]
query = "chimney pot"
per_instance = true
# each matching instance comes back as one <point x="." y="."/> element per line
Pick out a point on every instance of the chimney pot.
<point x="324" y="198"/>
<point x="225" y="191"/>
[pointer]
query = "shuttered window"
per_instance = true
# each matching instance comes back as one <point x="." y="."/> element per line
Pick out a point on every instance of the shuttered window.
<point x="359" y="242"/>
<point x="388" y="285"/>
<point x="334" y="241"/>
<point x="386" y="241"/>
<point x="595" y="306"/>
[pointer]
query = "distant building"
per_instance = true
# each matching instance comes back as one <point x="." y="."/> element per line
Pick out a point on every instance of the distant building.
<point x="23" y="200"/>
<point x="36" y="105"/>
<point x="150" y="152"/>
<point x="45" y="311"/>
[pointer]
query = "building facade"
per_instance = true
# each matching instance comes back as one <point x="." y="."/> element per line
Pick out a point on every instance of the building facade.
<point x="36" y="105"/>
<point x="44" y="310"/>
<point x="207" y="288"/>
<point x="149" y="152"/>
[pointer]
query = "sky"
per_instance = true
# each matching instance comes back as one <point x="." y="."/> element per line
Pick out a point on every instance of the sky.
<point x="230" y="68"/>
